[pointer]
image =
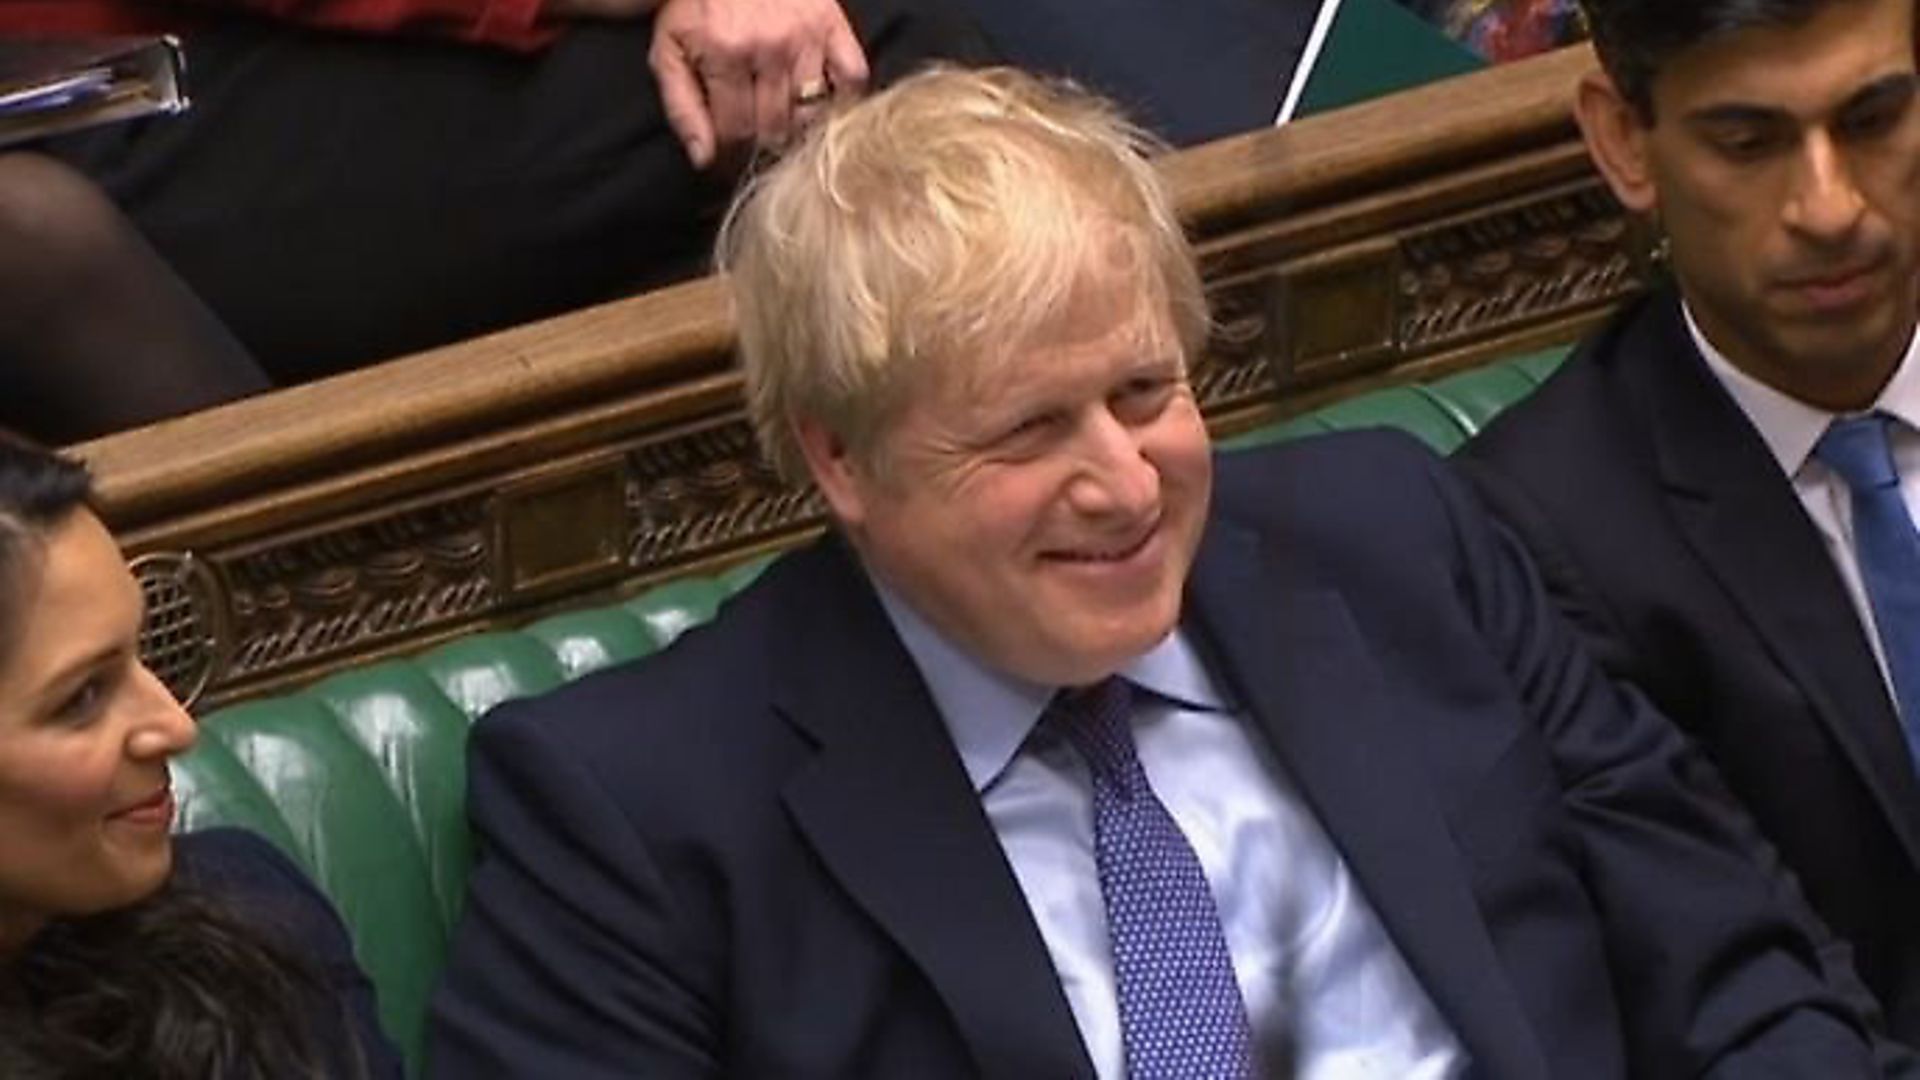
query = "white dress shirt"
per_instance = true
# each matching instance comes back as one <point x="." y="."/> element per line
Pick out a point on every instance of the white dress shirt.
<point x="1328" y="995"/>
<point x="1791" y="428"/>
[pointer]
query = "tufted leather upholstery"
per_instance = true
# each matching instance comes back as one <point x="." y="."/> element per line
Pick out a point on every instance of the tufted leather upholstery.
<point x="362" y="776"/>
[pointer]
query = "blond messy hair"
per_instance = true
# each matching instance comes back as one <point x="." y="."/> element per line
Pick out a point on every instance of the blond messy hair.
<point x="942" y="223"/>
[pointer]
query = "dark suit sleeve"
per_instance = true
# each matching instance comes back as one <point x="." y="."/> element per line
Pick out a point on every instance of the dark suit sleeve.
<point x="573" y="958"/>
<point x="266" y="889"/>
<point x="1558" y="571"/>
<point x="1708" y="960"/>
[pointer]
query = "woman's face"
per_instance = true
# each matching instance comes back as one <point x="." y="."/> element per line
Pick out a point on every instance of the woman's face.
<point x="85" y="734"/>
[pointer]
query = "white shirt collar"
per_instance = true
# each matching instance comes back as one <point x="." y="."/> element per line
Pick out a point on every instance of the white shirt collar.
<point x="1790" y="427"/>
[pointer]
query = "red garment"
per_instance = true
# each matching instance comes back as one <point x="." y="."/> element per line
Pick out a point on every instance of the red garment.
<point x="511" y="24"/>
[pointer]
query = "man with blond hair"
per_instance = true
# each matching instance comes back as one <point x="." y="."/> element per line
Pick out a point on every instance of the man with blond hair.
<point x="1072" y="752"/>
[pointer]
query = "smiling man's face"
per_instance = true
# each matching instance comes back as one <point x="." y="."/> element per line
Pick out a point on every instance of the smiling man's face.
<point x="1041" y="510"/>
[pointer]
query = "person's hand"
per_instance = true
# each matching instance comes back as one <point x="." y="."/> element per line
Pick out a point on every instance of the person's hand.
<point x="735" y="73"/>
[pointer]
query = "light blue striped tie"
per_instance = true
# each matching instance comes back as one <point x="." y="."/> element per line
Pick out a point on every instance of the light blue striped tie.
<point x="1181" y="1017"/>
<point x="1888" y="550"/>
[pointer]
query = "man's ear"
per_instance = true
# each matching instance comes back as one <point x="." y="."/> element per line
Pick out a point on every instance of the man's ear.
<point x="841" y="480"/>
<point x="1617" y="141"/>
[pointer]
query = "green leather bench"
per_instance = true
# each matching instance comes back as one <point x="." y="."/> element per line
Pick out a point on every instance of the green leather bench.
<point x="362" y="776"/>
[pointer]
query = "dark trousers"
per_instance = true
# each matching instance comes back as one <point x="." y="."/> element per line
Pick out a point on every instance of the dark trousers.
<point x="338" y="200"/>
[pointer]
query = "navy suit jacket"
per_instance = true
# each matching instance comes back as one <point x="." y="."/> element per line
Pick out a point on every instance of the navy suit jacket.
<point x="251" y="878"/>
<point x="758" y="854"/>
<point x="1666" y="531"/>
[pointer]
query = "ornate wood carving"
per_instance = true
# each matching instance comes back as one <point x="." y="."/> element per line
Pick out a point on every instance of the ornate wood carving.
<point x="295" y="600"/>
<point x="698" y="493"/>
<point x="1531" y="260"/>
<point x="185" y="625"/>
<point x="1363" y="308"/>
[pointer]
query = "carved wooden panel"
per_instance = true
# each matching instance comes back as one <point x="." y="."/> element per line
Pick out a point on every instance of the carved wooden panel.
<point x="185" y="628"/>
<point x="227" y="619"/>
<point x="560" y="530"/>
<point x="291" y="601"/>
<point x="704" y="491"/>
<point x="1528" y="261"/>
<point x="1367" y="307"/>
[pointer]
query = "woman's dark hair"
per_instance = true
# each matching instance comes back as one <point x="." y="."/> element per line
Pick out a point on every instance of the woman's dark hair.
<point x="1636" y="38"/>
<point x="38" y="489"/>
<point x="37" y="485"/>
<point x="174" y="986"/>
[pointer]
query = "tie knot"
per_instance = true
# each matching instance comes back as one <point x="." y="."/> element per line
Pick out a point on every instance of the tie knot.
<point x="1857" y="449"/>
<point x="1097" y="720"/>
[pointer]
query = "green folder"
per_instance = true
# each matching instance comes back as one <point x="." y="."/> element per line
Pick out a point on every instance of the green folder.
<point x="1376" y="47"/>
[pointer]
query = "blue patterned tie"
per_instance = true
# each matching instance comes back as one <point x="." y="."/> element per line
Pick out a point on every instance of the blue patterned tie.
<point x="1181" y="1017"/>
<point x="1887" y="547"/>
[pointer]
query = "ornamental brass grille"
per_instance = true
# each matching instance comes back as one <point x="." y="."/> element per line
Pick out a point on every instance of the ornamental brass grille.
<point x="179" y="638"/>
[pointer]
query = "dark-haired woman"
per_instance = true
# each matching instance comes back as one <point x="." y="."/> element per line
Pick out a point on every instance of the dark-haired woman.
<point x="126" y="951"/>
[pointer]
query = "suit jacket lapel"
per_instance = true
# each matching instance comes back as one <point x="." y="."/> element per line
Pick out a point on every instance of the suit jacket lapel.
<point x="890" y="811"/>
<point x="1311" y="684"/>
<point x="1750" y="531"/>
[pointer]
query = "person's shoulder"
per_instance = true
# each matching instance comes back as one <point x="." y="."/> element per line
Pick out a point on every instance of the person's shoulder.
<point x="1336" y="475"/>
<point x="712" y="683"/>
<point x="1344" y="506"/>
<point x="221" y="859"/>
<point x="252" y="881"/>
<point x="697" y="663"/>
<point x="1579" y="410"/>
<point x="249" y="876"/>
<point x="253" y="877"/>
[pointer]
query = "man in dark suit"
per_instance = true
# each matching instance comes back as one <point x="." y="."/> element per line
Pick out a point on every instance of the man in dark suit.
<point x="1675" y="481"/>
<point x="1065" y="757"/>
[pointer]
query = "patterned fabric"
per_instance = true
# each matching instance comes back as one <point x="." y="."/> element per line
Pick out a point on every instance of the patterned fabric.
<point x="1888" y="548"/>
<point x="1181" y="1015"/>
<point x="1502" y="30"/>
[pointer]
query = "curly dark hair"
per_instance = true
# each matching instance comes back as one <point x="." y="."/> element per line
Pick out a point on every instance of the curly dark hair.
<point x="175" y="986"/>
<point x="1636" y="38"/>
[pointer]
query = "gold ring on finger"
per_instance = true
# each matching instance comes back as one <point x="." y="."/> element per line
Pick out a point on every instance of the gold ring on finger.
<point x="811" y="92"/>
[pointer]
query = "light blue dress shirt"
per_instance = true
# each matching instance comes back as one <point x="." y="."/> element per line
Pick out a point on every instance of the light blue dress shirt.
<point x="1327" y="992"/>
